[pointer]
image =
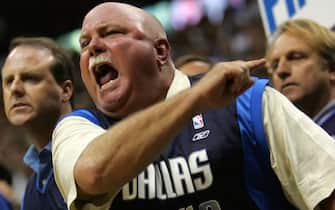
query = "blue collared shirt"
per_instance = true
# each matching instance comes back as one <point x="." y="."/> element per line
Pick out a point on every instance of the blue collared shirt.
<point x="326" y="118"/>
<point x="4" y="203"/>
<point x="41" y="164"/>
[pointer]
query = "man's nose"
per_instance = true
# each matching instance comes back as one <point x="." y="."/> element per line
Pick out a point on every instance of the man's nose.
<point x="17" y="87"/>
<point x="96" y="47"/>
<point x="283" y="69"/>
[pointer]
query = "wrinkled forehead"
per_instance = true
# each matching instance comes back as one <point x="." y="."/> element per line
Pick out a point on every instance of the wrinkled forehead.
<point x="119" y="15"/>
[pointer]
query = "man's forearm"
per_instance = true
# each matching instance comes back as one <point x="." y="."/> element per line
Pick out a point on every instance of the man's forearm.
<point x="117" y="156"/>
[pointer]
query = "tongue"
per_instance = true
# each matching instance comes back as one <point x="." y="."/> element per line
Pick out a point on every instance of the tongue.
<point x="111" y="75"/>
<point x="106" y="78"/>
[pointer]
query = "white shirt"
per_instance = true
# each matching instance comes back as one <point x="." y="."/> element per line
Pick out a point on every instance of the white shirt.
<point x="302" y="154"/>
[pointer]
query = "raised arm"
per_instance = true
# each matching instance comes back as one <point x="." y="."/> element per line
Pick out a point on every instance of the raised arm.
<point x="115" y="157"/>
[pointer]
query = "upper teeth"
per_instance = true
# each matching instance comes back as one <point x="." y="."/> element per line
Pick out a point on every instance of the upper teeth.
<point x="94" y="61"/>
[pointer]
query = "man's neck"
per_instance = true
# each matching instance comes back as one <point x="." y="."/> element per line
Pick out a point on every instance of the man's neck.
<point x="39" y="137"/>
<point x="41" y="130"/>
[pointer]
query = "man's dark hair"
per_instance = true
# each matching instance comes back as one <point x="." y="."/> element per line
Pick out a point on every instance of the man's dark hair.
<point x="63" y="67"/>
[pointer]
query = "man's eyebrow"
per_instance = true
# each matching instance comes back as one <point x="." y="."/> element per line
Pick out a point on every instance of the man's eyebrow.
<point x="82" y="36"/>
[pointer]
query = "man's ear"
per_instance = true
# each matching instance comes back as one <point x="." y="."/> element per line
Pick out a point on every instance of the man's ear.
<point x="331" y="69"/>
<point x="67" y="90"/>
<point x="162" y="48"/>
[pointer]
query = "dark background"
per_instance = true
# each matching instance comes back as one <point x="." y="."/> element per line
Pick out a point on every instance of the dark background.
<point x="45" y="18"/>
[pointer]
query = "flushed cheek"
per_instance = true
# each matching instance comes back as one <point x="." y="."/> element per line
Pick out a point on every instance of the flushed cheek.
<point x="84" y="70"/>
<point x="88" y="80"/>
<point x="91" y="89"/>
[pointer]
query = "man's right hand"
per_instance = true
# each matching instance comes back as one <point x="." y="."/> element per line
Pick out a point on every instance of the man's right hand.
<point x="224" y="82"/>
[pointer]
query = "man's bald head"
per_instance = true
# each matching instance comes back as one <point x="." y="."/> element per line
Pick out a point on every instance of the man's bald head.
<point x="133" y="47"/>
<point x="145" y="22"/>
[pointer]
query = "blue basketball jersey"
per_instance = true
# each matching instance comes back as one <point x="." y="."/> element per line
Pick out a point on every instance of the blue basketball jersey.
<point x="219" y="160"/>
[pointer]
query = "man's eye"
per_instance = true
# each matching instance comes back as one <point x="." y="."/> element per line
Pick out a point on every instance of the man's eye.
<point x="8" y="82"/>
<point x="31" y="79"/>
<point x="273" y="66"/>
<point x="84" y="44"/>
<point x="112" y="32"/>
<point x="297" y="55"/>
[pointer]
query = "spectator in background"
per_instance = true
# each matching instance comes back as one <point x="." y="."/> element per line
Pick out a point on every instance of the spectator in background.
<point x="13" y="145"/>
<point x="193" y="64"/>
<point x="301" y="61"/>
<point x="37" y="91"/>
<point x="162" y="140"/>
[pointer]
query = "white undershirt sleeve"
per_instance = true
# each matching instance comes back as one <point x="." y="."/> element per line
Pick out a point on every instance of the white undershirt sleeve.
<point x="302" y="154"/>
<point x="70" y="138"/>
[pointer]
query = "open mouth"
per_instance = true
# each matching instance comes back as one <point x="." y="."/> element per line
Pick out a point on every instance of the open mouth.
<point x="105" y="73"/>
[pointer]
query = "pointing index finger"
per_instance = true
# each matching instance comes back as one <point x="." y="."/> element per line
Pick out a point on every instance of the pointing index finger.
<point x="254" y="64"/>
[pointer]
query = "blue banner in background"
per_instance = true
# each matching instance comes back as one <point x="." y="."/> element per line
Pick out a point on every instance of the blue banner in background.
<point x="275" y="11"/>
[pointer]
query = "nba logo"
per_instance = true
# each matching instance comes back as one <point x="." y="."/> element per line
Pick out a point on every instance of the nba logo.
<point x="198" y="121"/>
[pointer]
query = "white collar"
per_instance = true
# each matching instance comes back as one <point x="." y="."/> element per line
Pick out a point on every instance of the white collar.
<point x="179" y="83"/>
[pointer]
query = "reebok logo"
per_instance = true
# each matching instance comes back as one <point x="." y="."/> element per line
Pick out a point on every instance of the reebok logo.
<point x="201" y="135"/>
